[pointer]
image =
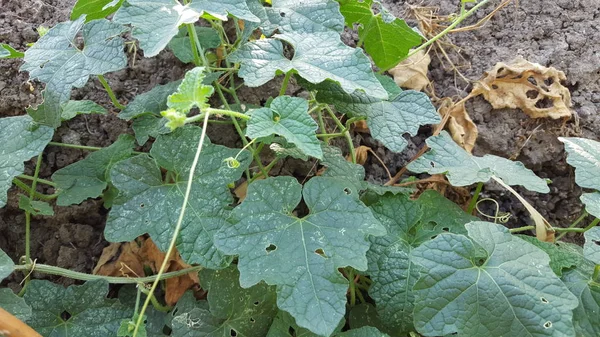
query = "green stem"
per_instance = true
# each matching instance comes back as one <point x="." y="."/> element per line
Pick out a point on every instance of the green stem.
<point x="36" y="173"/>
<point x="596" y="273"/>
<point x="286" y="81"/>
<point x="155" y="303"/>
<point x="475" y="198"/>
<point x="345" y="131"/>
<point x="111" y="94"/>
<point x="195" y="41"/>
<point x="267" y="169"/>
<point x="352" y="287"/>
<point x="559" y="229"/>
<point x="175" y="236"/>
<point x="331" y="135"/>
<point x="583" y="215"/>
<point x="52" y="270"/>
<point x="137" y="300"/>
<point x="24" y="187"/>
<point x="197" y="60"/>
<point x="43" y="181"/>
<point x="83" y="147"/>
<point x="321" y="122"/>
<point x="522" y="229"/>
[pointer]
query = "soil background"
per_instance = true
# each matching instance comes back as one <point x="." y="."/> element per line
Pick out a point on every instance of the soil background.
<point x="560" y="33"/>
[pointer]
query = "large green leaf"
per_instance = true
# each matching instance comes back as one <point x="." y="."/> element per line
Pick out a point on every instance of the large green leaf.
<point x="232" y="310"/>
<point x="284" y="325"/>
<point x="156" y="22"/>
<point x="192" y="92"/>
<point x="463" y="169"/>
<point x="7" y="266"/>
<point x="21" y="140"/>
<point x="439" y="215"/>
<point x="55" y="60"/>
<point x="562" y="255"/>
<point x="585" y="316"/>
<point x="584" y="155"/>
<point x="339" y="168"/>
<point x="366" y="331"/>
<point x="35" y="207"/>
<point x="387" y="39"/>
<point x="94" y="9"/>
<point x="591" y="248"/>
<point x="491" y="284"/>
<point x="87" y="178"/>
<point x="74" y="108"/>
<point x="301" y="255"/>
<point x="75" y="311"/>
<point x="288" y="117"/>
<point x="149" y="204"/>
<point x="389" y="119"/>
<point x="12" y="303"/>
<point x="181" y="46"/>
<point x="313" y="16"/>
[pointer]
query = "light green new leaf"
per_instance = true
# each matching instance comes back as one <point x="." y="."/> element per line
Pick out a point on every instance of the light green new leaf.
<point x="35" y="207"/>
<point x="491" y="284"/>
<point x="317" y="57"/>
<point x="591" y="248"/>
<point x="562" y="255"/>
<point x="584" y="155"/>
<point x="8" y="52"/>
<point x="94" y="9"/>
<point x="7" y="266"/>
<point x="231" y="311"/>
<point x="288" y="117"/>
<point x="181" y="46"/>
<point x="388" y="120"/>
<point x="14" y="304"/>
<point x="87" y="178"/>
<point x="301" y="255"/>
<point x="148" y="204"/>
<point x="55" y="60"/>
<point x="463" y="169"/>
<point x="585" y="316"/>
<point x="191" y="92"/>
<point x="74" y="108"/>
<point x="387" y="40"/>
<point x="90" y="313"/>
<point x="21" y="140"/>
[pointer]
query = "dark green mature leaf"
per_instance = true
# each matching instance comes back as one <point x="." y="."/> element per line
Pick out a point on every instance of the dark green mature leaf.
<point x="367" y="331"/>
<point x="89" y="312"/>
<point x="7" y="266"/>
<point x="364" y="314"/>
<point x="94" y="9"/>
<point x="192" y="92"/>
<point x="231" y="311"/>
<point x="21" y="140"/>
<point x="591" y="248"/>
<point x="55" y="60"/>
<point x="12" y="303"/>
<point x="584" y="155"/>
<point x="314" y="16"/>
<point x="491" y="284"/>
<point x="562" y="255"/>
<point x="443" y="214"/>
<point x="181" y="46"/>
<point x="580" y="283"/>
<point x="387" y="39"/>
<point x="8" y="52"/>
<point x="156" y="22"/>
<point x="155" y="320"/>
<point x="388" y="120"/>
<point x="284" y="325"/>
<point x="35" y="207"/>
<point x="463" y="169"/>
<point x="74" y="108"/>
<point x="87" y="178"/>
<point x="301" y="255"/>
<point x="339" y="168"/>
<point x="288" y="117"/>
<point x="148" y="204"/>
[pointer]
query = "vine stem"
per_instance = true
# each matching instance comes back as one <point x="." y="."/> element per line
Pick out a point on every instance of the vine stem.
<point x="583" y="215"/>
<point x="217" y="112"/>
<point x="43" y="181"/>
<point x="346" y="133"/>
<point x="84" y="147"/>
<point x="28" y="189"/>
<point x="559" y="229"/>
<point x="286" y="81"/>
<point x="186" y="198"/>
<point x="473" y="202"/>
<point x="111" y="94"/>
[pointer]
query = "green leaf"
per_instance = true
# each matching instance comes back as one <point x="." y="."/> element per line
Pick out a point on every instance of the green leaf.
<point x="191" y="92"/>
<point x="94" y="9"/>
<point x="156" y="22"/>
<point x="562" y="255"/>
<point x="390" y="264"/>
<point x="314" y="16"/>
<point x="283" y="149"/>
<point x="7" y="266"/>
<point x="88" y="310"/>
<point x="154" y="320"/>
<point x="148" y="204"/>
<point x="442" y="214"/>
<point x="231" y="311"/>
<point x="591" y="248"/>
<point x="388" y="120"/>
<point x="584" y="155"/>
<point x="89" y="177"/>
<point x="55" y="60"/>
<point x="147" y="126"/>
<point x="387" y="40"/>
<point x="364" y="314"/>
<point x="14" y="304"/>
<point x="74" y="108"/>
<point x="284" y="325"/>
<point x="366" y="331"/>
<point x="492" y="283"/>
<point x="21" y="140"/>
<point x="339" y="168"/>
<point x="301" y="255"/>
<point x="8" y="52"/>
<point x="127" y="327"/>
<point x="181" y="46"/>
<point x="585" y="316"/>
<point x="288" y="117"/>
<point x="35" y="207"/>
<point x="463" y="169"/>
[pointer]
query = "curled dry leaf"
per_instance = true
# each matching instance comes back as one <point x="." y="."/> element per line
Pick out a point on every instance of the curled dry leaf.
<point x="131" y="259"/>
<point x="362" y="154"/>
<point x="12" y="326"/>
<point x="361" y="126"/>
<point x="531" y="87"/>
<point x="412" y="72"/>
<point x="461" y="126"/>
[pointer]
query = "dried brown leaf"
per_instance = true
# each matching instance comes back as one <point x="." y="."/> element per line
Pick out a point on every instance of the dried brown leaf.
<point x="361" y="126"/>
<point x="412" y="72"/>
<point x="531" y="87"/>
<point x="362" y="154"/>
<point x="461" y="126"/>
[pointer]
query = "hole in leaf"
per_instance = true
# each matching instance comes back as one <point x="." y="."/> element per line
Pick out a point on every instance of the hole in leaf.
<point x="532" y="94"/>
<point x="544" y="300"/>
<point x="321" y="253"/>
<point x="479" y="262"/>
<point x="232" y="333"/>
<point x="494" y="86"/>
<point x="282" y="14"/>
<point x="271" y="248"/>
<point x="65" y="315"/>
<point x="548" y="325"/>
<point x="256" y="303"/>
<point x="532" y="80"/>
<point x="432" y="164"/>
<point x="142" y="205"/>
<point x="291" y="331"/>
<point x="549" y="81"/>
<point x="252" y="320"/>
<point x="276" y="117"/>
<point x="544" y="103"/>
<point x="597" y="242"/>
<point x="347" y="191"/>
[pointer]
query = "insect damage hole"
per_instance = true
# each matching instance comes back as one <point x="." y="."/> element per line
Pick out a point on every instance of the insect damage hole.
<point x="544" y="300"/>
<point x="321" y="253"/>
<point x="233" y="333"/>
<point x="347" y="191"/>
<point x="271" y="248"/>
<point x="548" y="325"/>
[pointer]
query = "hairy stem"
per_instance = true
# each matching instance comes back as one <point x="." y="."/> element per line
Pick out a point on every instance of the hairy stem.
<point x="475" y="198"/>
<point x="111" y="94"/>
<point x="286" y="81"/>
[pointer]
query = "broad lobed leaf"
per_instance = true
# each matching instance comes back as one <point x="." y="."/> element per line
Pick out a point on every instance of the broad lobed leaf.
<point x="7" y="266"/>
<point x="584" y="155"/>
<point x="591" y="248"/>
<point x="580" y="283"/>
